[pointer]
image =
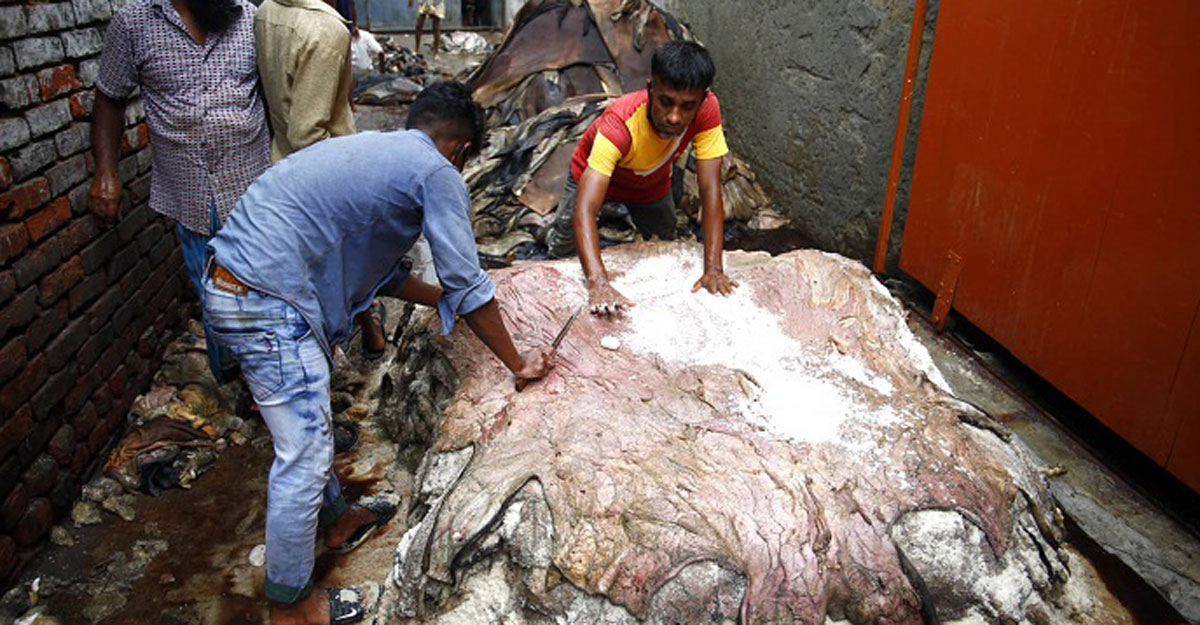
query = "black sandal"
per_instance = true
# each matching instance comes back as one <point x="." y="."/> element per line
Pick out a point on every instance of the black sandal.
<point x="383" y="511"/>
<point x="345" y="605"/>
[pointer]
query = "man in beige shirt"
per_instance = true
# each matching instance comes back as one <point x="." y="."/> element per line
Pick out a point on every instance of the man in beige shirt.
<point x="303" y="49"/>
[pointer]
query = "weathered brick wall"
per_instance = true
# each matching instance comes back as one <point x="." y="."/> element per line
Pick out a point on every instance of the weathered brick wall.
<point x="82" y="306"/>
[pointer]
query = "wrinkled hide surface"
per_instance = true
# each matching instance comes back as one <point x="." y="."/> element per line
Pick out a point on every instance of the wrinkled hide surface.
<point x="779" y="434"/>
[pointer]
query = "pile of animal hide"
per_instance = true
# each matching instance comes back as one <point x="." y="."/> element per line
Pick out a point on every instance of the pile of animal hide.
<point x="465" y="42"/>
<point x="404" y="74"/>
<point x="789" y="454"/>
<point x="559" y="66"/>
<point x="178" y="428"/>
<point x="556" y="49"/>
<point x="398" y="59"/>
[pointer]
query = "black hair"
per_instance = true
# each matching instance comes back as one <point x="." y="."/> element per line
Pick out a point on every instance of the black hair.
<point x="449" y="102"/>
<point x="683" y="65"/>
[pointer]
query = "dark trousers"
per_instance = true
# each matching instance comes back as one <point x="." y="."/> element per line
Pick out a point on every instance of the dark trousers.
<point x="652" y="219"/>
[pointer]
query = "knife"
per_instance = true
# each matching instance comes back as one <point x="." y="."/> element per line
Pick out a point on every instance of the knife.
<point x="558" y="339"/>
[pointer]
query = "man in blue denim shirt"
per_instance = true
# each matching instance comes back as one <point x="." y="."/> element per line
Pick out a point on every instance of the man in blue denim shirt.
<point x="312" y="242"/>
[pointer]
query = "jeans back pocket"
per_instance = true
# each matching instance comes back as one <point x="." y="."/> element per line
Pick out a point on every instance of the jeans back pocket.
<point x="258" y="355"/>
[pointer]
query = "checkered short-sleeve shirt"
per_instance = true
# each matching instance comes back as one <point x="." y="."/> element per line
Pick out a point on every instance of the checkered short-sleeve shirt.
<point x="208" y="128"/>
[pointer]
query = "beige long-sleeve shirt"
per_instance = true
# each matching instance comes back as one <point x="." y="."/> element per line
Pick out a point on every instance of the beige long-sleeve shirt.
<point x="303" y="51"/>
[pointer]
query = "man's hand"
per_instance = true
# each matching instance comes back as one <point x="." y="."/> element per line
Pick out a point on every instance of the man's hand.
<point x="534" y="365"/>
<point x="716" y="282"/>
<point x="603" y="299"/>
<point x="104" y="197"/>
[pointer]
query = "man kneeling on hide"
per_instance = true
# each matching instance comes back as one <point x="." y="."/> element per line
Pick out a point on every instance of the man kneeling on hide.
<point x="626" y="156"/>
<point x="312" y="243"/>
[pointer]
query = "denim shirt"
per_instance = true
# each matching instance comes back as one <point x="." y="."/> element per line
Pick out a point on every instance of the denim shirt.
<point x="327" y="228"/>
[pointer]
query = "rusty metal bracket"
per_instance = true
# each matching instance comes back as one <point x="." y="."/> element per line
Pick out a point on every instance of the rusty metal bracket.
<point x="946" y="289"/>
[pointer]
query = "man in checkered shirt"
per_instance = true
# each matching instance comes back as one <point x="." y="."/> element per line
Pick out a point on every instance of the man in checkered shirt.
<point x="195" y="65"/>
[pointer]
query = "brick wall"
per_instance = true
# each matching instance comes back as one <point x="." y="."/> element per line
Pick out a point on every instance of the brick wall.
<point x="82" y="306"/>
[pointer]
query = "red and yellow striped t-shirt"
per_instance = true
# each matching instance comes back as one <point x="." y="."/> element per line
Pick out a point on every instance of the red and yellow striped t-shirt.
<point x="621" y="143"/>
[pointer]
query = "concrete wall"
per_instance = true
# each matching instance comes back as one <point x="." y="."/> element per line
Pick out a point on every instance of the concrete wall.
<point x="82" y="306"/>
<point x="809" y="93"/>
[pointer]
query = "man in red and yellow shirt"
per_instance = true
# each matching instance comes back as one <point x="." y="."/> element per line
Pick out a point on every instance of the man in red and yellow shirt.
<point x="626" y="156"/>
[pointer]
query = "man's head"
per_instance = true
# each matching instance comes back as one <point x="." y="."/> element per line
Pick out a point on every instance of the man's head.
<point x="680" y="75"/>
<point x="446" y="112"/>
<point x="214" y="16"/>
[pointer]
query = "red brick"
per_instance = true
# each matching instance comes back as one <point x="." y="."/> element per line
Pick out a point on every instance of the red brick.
<point x="81" y="391"/>
<point x="8" y="286"/>
<point x="55" y="81"/>
<point x="14" y="238"/>
<point x="8" y="556"/>
<point x="45" y="400"/>
<point x="81" y="106"/>
<point x="118" y="381"/>
<point x="134" y="139"/>
<point x="17" y="390"/>
<point x="47" y="325"/>
<point x="78" y="233"/>
<point x="12" y="358"/>
<point x="13" y="507"/>
<point x="45" y="221"/>
<point x="98" y="438"/>
<point x="15" y="429"/>
<point x="102" y="400"/>
<point x="24" y="198"/>
<point x="60" y="281"/>
<point x="84" y="421"/>
<point x="5" y="174"/>
<point x="94" y="346"/>
<point x="62" y="445"/>
<point x="79" y="461"/>
<point x="35" y="522"/>
<point x="37" y="262"/>
<point x="86" y="291"/>
<point x="39" y="477"/>
<point x="18" y="312"/>
<point x="33" y="444"/>
<point x="113" y="356"/>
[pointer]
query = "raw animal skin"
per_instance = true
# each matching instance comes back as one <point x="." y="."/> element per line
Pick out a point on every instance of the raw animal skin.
<point x="780" y="434"/>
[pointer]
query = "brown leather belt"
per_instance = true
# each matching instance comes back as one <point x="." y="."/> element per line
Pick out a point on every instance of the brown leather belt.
<point x="226" y="281"/>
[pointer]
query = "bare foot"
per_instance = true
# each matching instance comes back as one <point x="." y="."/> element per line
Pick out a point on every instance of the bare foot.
<point x="373" y="339"/>
<point x="313" y="610"/>
<point x="353" y="518"/>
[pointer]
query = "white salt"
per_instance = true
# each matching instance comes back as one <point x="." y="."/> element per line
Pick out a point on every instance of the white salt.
<point x="802" y="394"/>
<point x="610" y="342"/>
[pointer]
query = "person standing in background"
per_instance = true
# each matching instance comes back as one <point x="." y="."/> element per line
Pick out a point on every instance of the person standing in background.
<point x="304" y="61"/>
<point x="194" y="63"/>
<point x="436" y="10"/>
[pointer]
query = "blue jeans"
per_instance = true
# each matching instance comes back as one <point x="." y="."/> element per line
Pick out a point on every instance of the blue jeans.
<point x="195" y="257"/>
<point x="288" y="375"/>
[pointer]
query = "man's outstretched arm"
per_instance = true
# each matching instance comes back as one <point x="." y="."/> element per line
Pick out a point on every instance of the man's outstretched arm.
<point x="418" y="291"/>
<point x="712" y="221"/>
<point x="487" y="324"/>
<point x="603" y="299"/>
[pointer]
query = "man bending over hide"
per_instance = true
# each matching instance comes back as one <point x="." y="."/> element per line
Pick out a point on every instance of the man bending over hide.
<point x="313" y="241"/>
<point x="626" y="156"/>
